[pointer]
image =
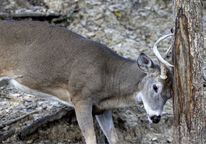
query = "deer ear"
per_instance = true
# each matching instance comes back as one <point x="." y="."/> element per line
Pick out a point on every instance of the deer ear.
<point x="144" y="63"/>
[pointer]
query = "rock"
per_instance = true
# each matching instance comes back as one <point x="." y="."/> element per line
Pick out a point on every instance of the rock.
<point x="154" y="138"/>
<point x="30" y="141"/>
<point x="144" y="14"/>
<point x="91" y="34"/>
<point x="169" y="140"/>
<point x="162" y="13"/>
<point x="128" y="137"/>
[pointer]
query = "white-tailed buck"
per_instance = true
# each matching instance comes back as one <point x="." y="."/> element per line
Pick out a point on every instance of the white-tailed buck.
<point x="54" y="63"/>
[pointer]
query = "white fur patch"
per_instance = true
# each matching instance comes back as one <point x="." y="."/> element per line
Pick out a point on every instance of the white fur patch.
<point x="139" y="97"/>
<point x="150" y="112"/>
<point x="27" y="90"/>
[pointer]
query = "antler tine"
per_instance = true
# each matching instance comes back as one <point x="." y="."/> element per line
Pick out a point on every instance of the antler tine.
<point x="159" y="57"/>
<point x="168" y="50"/>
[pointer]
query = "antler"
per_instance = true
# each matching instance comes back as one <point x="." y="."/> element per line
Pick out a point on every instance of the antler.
<point x="204" y="73"/>
<point x="162" y="62"/>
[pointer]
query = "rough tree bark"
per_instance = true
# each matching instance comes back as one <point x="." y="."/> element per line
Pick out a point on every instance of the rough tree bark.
<point x="188" y="98"/>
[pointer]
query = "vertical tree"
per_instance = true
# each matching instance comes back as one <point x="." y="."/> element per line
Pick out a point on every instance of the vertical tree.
<point x="188" y="98"/>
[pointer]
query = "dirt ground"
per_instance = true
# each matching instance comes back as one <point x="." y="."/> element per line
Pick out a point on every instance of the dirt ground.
<point x="127" y="27"/>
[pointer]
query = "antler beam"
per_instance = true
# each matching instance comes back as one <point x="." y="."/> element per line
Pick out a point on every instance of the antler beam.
<point x="156" y="52"/>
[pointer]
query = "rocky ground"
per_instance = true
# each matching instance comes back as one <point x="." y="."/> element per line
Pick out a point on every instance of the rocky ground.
<point x="127" y="27"/>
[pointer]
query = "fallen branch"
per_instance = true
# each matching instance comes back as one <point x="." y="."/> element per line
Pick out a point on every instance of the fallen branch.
<point x="7" y="134"/>
<point x="49" y="118"/>
<point x="15" y="120"/>
<point x="29" y="14"/>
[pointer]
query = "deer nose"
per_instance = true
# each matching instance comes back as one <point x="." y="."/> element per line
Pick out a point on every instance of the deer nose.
<point x="155" y="119"/>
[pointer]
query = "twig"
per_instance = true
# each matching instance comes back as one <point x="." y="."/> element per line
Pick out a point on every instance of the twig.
<point x="15" y="120"/>
<point x="7" y="134"/>
<point x="49" y="118"/>
<point x="29" y="14"/>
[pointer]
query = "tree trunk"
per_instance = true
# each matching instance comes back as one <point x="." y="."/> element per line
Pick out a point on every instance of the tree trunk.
<point x="188" y="98"/>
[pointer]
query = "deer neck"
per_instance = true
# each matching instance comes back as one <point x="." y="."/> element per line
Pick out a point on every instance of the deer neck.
<point x="126" y="83"/>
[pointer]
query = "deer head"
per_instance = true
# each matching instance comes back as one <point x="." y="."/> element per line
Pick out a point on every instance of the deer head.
<point x="157" y="84"/>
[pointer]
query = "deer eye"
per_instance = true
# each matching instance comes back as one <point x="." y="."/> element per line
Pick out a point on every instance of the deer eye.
<point x="155" y="88"/>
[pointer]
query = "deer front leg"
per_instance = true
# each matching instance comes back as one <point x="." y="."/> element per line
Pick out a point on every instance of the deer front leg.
<point x="85" y="120"/>
<point x="106" y="123"/>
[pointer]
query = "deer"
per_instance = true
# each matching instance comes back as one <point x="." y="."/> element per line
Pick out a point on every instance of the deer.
<point x="55" y="63"/>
